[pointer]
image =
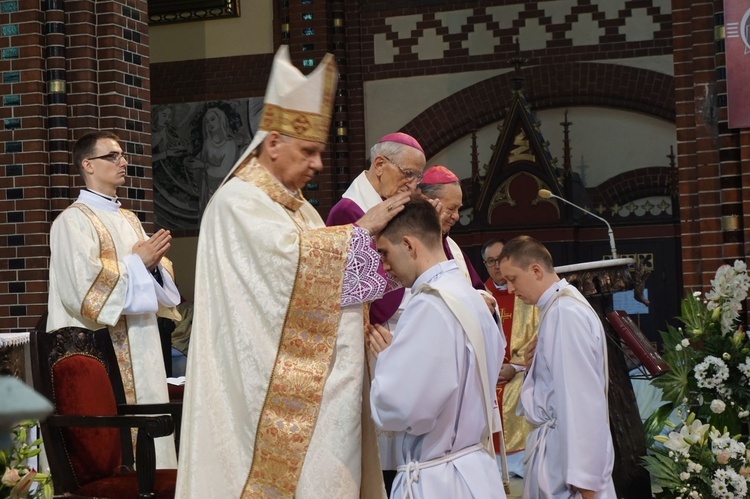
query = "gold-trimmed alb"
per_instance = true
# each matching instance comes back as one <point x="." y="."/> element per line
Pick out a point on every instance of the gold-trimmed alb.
<point x="306" y="347"/>
<point x="102" y="288"/>
<point x="109" y="275"/>
<point x="132" y="219"/>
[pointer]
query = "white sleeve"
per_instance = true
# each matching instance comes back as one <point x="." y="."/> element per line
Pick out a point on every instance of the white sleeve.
<point x="168" y="294"/>
<point x="140" y="297"/>
<point x="578" y="380"/>
<point x="423" y="351"/>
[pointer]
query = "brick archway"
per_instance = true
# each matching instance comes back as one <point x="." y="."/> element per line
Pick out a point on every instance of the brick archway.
<point x="566" y="84"/>
<point x="641" y="182"/>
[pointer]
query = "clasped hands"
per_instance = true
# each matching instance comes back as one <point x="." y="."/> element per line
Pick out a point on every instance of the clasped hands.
<point x="153" y="249"/>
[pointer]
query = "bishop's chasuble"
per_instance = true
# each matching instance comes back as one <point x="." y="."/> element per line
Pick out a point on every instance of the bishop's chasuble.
<point x="96" y="281"/>
<point x="275" y="375"/>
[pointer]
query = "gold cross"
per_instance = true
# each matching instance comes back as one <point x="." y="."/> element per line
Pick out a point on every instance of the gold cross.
<point x="504" y="315"/>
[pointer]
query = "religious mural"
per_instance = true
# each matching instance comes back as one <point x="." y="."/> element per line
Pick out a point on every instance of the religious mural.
<point x="194" y="145"/>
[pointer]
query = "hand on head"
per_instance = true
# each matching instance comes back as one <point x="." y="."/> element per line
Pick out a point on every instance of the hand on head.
<point x="439" y="208"/>
<point x="378" y="217"/>
<point x="152" y="249"/>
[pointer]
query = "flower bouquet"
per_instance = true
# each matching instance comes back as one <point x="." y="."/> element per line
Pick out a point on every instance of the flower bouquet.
<point x="709" y="380"/>
<point x="17" y="478"/>
<point x="699" y="461"/>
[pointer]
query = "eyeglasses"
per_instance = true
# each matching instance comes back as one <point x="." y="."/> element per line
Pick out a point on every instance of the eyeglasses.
<point x="491" y="262"/>
<point x="409" y="175"/>
<point x="113" y="157"/>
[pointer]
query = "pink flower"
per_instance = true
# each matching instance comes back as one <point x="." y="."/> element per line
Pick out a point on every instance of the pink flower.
<point x="11" y="477"/>
<point x="745" y="472"/>
<point x="723" y="457"/>
<point x="22" y="488"/>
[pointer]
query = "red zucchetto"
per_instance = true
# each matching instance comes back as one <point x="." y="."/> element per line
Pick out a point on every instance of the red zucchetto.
<point x="438" y="175"/>
<point x="402" y="138"/>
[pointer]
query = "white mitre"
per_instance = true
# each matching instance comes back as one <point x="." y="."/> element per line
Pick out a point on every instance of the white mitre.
<point x="296" y="105"/>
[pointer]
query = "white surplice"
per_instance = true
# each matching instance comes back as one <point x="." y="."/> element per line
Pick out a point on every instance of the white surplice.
<point x="76" y="263"/>
<point x="563" y="398"/>
<point x="248" y="257"/>
<point x="428" y="391"/>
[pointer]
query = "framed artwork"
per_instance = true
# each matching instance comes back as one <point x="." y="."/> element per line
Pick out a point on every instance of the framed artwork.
<point x="176" y="11"/>
<point x="194" y="145"/>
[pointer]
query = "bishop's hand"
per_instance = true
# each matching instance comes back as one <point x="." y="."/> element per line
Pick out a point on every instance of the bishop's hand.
<point x="379" y="215"/>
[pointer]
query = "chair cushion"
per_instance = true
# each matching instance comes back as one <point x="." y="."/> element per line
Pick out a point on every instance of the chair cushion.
<point x="125" y="486"/>
<point x="82" y="387"/>
<point x="176" y="392"/>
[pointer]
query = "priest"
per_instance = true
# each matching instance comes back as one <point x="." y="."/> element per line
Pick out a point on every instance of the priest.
<point x="442" y="184"/>
<point x="433" y="383"/>
<point x="519" y="325"/>
<point x="276" y="370"/>
<point x="396" y="164"/>
<point x="569" y="451"/>
<point x="106" y="272"/>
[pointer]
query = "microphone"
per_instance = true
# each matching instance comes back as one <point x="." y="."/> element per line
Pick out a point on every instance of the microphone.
<point x="546" y="194"/>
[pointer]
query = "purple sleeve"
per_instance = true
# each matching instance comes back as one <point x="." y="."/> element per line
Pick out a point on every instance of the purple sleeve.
<point x="344" y="212"/>
<point x="364" y="277"/>
<point x="384" y="308"/>
<point x="476" y="281"/>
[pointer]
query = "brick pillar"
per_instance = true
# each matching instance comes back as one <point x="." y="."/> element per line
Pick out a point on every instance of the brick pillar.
<point x="24" y="184"/>
<point x="67" y="68"/>
<point x="709" y="158"/>
<point x="311" y="31"/>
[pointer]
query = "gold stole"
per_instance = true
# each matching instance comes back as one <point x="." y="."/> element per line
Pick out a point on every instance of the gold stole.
<point x="102" y="288"/>
<point x="525" y="320"/>
<point x="306" y="347"/>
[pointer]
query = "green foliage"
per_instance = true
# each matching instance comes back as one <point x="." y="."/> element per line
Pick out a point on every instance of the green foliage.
<point x="709" y="376"/>
<point x="16" y="476"/>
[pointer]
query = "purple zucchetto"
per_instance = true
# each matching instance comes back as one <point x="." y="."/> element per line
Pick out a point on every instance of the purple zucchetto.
<point x="438" y="175"/>
<point x="402" y="138"/>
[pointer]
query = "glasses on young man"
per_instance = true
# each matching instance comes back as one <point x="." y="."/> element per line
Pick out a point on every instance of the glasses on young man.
<point x="113" y="157"/>
<point x="491" y="262"/>
<point x="409" y="175"/>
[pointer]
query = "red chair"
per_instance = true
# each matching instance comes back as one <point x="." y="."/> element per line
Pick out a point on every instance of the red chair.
<point x="88" y="437"/>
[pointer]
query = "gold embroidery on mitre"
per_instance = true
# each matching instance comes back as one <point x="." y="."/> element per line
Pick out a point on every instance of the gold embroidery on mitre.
<point x="105" y="282"/>
<point x="305" y="125"/>
<point x="303" y="361"/>
<point x="293" y="123"/>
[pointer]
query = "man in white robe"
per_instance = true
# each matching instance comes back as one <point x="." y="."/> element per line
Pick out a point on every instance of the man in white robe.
<point x="433" y="385"/>
<point x="104" y="272"/>
<point x="396" y="164"/>
<point x="273" y="401"/>
<point x="569" y="451"/>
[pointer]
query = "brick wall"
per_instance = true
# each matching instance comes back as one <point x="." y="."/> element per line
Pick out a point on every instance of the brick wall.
<point x="68" y="68"/>
<point x="714" y="193"/>
<point x="554" y="85"/>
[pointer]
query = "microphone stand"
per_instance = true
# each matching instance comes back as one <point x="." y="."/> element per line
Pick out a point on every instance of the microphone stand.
<point x="544" y="193"/>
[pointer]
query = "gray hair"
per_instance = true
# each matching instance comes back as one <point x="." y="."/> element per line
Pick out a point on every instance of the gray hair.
<point x="392" y="150"/>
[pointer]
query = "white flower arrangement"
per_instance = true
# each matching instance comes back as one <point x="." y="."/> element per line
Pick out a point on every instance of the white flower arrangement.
<point x="699" y="461"/>
<point x="709" y="377"/>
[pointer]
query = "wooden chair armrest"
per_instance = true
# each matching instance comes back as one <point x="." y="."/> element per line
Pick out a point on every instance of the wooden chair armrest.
<point x="154" y="426"/>
<point x="149" y="427"/>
